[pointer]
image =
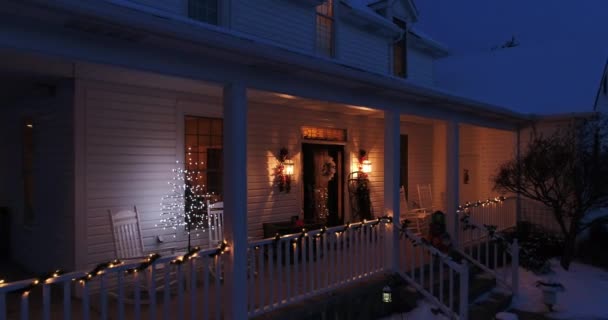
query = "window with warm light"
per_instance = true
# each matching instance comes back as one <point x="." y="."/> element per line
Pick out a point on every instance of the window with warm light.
<point x="204" y="152"/>
<point x="27" y="173"/>
<point x="325" y="29"/>
<point x="400" y="51"/>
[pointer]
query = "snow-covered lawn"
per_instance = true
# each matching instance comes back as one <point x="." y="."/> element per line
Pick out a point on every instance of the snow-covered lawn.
<point x="585" y="295"/>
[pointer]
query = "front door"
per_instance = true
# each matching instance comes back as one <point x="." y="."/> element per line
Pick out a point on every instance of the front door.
<point x="323" y="170"/>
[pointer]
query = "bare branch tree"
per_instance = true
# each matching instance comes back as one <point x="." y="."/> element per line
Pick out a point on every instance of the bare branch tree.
<point x="566" y="171"/>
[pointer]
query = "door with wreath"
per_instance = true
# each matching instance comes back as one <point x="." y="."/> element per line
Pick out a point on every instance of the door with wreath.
<point x="323" y="178"/>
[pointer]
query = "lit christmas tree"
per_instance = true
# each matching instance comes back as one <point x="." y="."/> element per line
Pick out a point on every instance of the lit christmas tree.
<point x="185" y="206"/>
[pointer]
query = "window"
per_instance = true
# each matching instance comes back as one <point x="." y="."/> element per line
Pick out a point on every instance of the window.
<point x="27" y="166"/>
<point x="204" y="10"/>
<point x="400" y="51"/>
<point x="204" y="152"/>
<point x="325" y="29"/>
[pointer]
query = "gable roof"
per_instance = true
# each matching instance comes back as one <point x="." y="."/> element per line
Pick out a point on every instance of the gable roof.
<point x="556" y="78"/>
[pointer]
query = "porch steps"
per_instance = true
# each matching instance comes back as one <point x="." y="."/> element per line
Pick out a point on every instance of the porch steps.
<point x="358" y="301"/>
<point x="484" y="300"/>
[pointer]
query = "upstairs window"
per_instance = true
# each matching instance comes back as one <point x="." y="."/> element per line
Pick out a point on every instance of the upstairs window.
<point x="325" y="29"/>
<point x="204" y="10"/>
<point x="400" y="51"/>
<point x="204" y="152"/>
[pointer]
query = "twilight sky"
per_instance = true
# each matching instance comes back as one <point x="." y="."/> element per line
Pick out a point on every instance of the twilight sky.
<point x="472" y="25"/>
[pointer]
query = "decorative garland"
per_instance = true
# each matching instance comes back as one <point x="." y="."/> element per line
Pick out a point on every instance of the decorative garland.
<point x="329" y="168"/>
<point x="98" y="270"/>
<point x="481" y="203"/>
<point x="26" y="290"/>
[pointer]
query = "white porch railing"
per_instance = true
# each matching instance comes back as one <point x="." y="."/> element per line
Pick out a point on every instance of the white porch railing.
<point x="293" y="267"/>
<point x="435" y="275"/>
<point x="483" y="245"/>
<point x="150" y="288"/>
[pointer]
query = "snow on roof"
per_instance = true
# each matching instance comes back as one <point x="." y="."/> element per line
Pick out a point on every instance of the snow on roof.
<point x="557" y="78"/>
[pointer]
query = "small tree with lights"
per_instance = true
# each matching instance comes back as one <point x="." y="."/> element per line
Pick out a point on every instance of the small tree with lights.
<point x="184" y="206"/>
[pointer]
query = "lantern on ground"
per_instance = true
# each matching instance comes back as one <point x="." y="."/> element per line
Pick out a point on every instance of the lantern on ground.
<point x="387" y="295"/>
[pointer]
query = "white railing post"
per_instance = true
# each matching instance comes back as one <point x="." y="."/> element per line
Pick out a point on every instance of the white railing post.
<point x="464" y="291"/>
<point x="515" y="267"/>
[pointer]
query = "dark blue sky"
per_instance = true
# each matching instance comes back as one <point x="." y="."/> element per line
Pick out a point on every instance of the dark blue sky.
<point x="473" y="25"/>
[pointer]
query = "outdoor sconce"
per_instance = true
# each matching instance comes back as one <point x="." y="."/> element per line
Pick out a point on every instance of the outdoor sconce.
<point x="284" y="171"/>
<point x="288" y="167"/>
<point x="387" y="295"/>
<point x="365" y="165"/>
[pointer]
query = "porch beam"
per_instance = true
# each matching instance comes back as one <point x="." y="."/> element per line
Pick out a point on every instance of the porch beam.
<point x="235" y="200"/>
<point x="391" y="184"/>
<point x="453" y="192"/>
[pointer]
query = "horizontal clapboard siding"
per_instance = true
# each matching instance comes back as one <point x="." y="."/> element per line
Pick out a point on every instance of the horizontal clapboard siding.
<point x="268" y="132"/>
<point x="132" y="143"/>
<point x="281" y="21"/>
<point x="362" y="49"/>
<point x="130" y="152"/>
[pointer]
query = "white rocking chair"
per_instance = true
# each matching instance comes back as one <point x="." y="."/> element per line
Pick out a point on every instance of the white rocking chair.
<point x="215" y="219"/>
<point x="417" y="217"/>
<point x="128" y="242"/>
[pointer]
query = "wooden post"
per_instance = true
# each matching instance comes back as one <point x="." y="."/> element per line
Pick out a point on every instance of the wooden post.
<point x="235" y="200"/>
<point x="464" y="291"/>
<point x="391" y="185"/>
<point x="453" y="183"/>
<point x="515" y="268"/>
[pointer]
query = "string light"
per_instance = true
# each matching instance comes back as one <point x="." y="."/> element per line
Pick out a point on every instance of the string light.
<point x="98" y="270"/>
<point x="145" y="264"/>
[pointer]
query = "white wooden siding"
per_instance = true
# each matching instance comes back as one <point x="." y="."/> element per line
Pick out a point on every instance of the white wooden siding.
<point x="362" y="49"/>
<point x="420" y="66"/>
<point x="268" y="133"/>
<point x="48" y="243"/>
<point x="439" y="186"/>
<point x="281" y="21"/>
<point x="179" y="7"/>
<point x="482" y="151"/>
<point x="134" y="135"/>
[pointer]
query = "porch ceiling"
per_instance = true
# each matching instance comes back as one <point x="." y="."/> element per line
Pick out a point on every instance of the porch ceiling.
<point x="286" y="100"/>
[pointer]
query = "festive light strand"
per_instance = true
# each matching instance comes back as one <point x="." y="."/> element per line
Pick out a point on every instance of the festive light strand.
<point x="36" y="282"/>
<point x="145" y="264"/>
<point x="98" y="270"/>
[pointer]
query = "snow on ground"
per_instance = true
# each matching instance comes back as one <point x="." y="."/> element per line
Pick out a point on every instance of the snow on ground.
<point x="422" y="312"/>
<point x="584" y="296"/>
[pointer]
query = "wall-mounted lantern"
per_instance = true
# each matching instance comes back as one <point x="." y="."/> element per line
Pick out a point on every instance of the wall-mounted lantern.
<point x="366" y="166"/>
<point x="288" y="167"/>
<point x="284" y="171"/>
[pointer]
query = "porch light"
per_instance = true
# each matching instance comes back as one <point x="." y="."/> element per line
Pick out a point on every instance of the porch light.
<point x="288" y="167"/>
<point x="366" y="166"/>
<point x="387" y="295"/>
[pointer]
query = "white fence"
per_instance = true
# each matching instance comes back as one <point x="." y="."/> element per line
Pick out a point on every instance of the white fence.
<point x="293" y="267"/>
<point x="435" y="275"/>
<point x="482" y="243"/>
<point x="168" y="287"/>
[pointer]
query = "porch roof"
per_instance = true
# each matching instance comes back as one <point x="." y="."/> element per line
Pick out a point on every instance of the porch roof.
<point x="159" y="27"/>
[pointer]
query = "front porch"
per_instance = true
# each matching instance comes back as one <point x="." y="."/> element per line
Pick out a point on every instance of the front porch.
<point x="130" y="127"/>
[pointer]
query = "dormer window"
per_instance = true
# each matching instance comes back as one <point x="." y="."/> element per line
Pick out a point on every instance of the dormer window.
<point x="400" y="51"/>
<point x="325" y="29"/>
<point x="204" y="10"/>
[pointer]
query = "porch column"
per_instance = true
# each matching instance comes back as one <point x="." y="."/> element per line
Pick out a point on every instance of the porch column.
<point x="453" y="183"/>
<point x="391" y="184"/>
<point x="235" y="200"/>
